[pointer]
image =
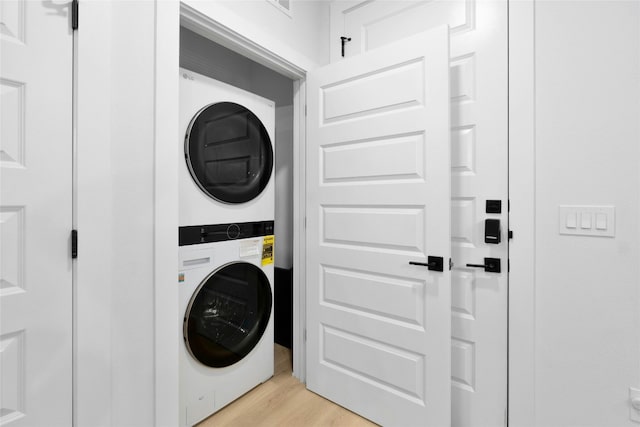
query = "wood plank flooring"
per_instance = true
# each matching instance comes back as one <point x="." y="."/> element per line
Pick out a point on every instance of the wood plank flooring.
<point x="283" y="401"/>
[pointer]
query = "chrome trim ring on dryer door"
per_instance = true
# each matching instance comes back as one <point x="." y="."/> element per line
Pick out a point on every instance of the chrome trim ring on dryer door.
<point x="228" y="152"/>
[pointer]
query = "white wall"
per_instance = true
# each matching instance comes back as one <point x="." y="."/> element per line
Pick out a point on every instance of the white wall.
<point x="132" y="160"/>
<point x="585" y="290"/>
<point x="116" y="218"/>
<point x="94" y="200"/>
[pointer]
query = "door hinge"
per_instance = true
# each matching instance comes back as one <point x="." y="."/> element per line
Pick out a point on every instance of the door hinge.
<point x="304" y="335"/>
<point x="74" y="244"/>
<point x="74" y="14"/>
<point x="305" y="110"/>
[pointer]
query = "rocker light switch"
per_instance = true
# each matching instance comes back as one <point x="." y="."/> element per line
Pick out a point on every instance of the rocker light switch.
<point x="595" y="221"/>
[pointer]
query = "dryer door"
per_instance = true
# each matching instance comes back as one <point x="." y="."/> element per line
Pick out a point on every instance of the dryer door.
<point x="229" y="152"/>
<point x="228" y="314"/>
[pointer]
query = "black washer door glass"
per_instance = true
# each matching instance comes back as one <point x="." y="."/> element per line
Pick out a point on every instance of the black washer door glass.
<point x="228" y="314"/>
<point x="229" y="152"/>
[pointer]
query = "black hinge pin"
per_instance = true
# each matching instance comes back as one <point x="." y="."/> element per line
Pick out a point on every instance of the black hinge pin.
<point x="74" y="244"/>
<point x="74" y="15"/>
<point x="344" y="40"/>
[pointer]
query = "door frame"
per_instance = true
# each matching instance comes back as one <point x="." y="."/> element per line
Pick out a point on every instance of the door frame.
<point x="521" y="300"/>
<point x="217" y="32"/>
<point x="169" y="17"/>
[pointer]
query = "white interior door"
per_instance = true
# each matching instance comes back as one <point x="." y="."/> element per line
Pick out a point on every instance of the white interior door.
<point x="35" y="214"/>
<point x="479" y="172"/>
<point x="378" y="198"/>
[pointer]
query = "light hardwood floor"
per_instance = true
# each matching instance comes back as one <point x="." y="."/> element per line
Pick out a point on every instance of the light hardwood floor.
<point x="283" y="401"/>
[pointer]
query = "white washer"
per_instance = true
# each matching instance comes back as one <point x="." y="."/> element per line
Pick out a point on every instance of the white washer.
<point x="226" y="297"/>
<point x="229" y="153"/>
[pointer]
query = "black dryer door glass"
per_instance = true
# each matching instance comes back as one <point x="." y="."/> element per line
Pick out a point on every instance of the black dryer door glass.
<point x="228" y="314"/>
<point x="229" y="153"/>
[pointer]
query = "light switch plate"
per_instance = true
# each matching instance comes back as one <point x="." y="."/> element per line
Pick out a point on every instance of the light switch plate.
<point x="596" y="221"/>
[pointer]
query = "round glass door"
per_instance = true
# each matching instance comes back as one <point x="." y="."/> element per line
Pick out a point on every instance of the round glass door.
<point x="229" y="153"/>
<point x="228" y="314"/>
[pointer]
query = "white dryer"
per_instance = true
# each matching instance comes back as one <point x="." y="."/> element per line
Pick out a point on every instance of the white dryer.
<point x="226" y="297"/>
<point x="228" y="149"/>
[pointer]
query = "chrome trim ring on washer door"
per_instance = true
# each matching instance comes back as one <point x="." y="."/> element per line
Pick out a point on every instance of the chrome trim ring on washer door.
<point x="228" y="314"/>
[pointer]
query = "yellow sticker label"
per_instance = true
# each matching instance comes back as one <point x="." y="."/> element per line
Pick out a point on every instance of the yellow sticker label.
<point x="267" y="250"/>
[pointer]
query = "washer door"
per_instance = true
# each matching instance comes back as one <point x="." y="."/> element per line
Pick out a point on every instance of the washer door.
<point x="228" y="152"/>
<point x="228" y="314"/>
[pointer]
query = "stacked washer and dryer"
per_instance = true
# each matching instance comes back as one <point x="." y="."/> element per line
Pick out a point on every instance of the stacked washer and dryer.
<point x="226" y="242"/>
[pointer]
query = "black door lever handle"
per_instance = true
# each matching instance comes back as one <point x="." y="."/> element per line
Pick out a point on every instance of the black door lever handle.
<point x="491" y="265"/>
<point x="434" y="263"/>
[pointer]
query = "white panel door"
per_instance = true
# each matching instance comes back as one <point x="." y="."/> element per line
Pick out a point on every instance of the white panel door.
<point x="479" y="172"/>
<point x="378" y="198"/>
<point x="35" y="214"/>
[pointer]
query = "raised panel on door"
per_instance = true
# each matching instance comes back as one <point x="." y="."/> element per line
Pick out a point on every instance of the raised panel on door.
<point x="479" y="170"/>
<point x="35" y="214"/>
<point x="378" y="338"/>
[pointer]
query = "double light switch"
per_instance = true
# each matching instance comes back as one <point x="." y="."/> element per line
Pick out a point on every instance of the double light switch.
<point x="587" y="220"/>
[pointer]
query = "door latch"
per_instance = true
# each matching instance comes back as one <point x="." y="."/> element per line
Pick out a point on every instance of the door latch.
<point x="434" y="263"/>
<point x="491" y="265"/>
